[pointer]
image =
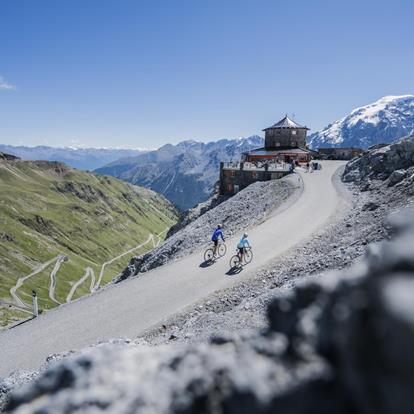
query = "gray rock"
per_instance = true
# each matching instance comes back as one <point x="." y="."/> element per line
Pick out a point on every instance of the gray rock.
<point x="370" y="206"/>
<point x="396" y="177"/>
<point x="380" y="163"/>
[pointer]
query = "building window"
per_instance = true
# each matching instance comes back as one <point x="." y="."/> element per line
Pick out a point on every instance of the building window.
<point x="294" y="132"/>
<point x="294" y="144"/>
<point x="278" y="144"/>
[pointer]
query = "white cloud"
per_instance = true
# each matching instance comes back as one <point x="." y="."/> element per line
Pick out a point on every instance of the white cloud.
<point x="76" y="143"/>
<point x="5" y="85"/>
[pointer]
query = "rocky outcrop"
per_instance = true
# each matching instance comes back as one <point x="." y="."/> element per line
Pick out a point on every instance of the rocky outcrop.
<point x="247" y="208"/>
<point x="391" y="161"/>
<point x="339" y="344"/>
<point x="8" y="157"/>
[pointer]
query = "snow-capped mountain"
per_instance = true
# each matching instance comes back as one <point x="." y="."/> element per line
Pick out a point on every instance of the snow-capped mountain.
<point x="184" y="173"/>
<point x="383" y="121"/>
<point x="81" y="158"/>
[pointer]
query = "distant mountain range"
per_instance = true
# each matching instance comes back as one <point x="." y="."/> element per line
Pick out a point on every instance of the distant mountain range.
<point x="184" y="173"/>
<point x="81" y="158"/>
<point x="64" y="232"/>
<point x="384" y="121"/>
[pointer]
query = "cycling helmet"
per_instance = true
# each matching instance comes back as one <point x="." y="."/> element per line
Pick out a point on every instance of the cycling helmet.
<point x="219" y="226"/>
<point x="245" y="235"/>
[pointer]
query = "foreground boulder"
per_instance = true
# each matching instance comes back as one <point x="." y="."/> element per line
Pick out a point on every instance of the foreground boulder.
<point x="341" y="344"/>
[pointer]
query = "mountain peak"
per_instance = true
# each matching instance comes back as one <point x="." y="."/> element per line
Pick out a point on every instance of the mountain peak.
<point x="383" y="121"/>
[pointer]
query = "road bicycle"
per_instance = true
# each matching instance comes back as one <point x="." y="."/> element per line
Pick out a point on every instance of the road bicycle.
<point x="235" y="261"/>
<point x="220" y="252"/>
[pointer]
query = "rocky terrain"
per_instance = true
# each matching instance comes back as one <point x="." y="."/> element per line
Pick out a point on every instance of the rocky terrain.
<point x="394" y="163"/>
<point x="383" y="121"/>
<point x="184" y="173"/>
<point x="192" y="214"/>
<point x="7" y="157"/>
<point x="248" y="208"/>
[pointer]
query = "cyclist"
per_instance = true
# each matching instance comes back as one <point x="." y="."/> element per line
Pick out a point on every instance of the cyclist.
<point x="215" y="238"/>
<point x="242" y="245"/>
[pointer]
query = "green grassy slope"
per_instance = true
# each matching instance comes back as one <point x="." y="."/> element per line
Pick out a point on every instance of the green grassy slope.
<point x="48" y="209"/>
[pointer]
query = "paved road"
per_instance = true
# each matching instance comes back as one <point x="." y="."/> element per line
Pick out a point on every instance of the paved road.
<point x="133" y="306"/>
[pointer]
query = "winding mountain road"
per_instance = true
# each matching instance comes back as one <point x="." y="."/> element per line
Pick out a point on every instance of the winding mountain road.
<point x="131" y="307"/>
<point x="61" y="258"/>
<point x="20" y="281"/>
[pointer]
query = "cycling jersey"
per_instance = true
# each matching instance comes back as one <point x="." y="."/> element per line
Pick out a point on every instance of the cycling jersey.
<point x="243" y="243"/>
<point x="217" y="234"/>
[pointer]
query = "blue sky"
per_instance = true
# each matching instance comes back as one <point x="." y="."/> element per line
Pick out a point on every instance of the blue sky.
<point x="131" y="73"/>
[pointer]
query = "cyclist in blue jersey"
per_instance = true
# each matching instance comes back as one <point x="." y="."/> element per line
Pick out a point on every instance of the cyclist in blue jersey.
<point x="215" y="238"/>
<point x="242" y="245"/>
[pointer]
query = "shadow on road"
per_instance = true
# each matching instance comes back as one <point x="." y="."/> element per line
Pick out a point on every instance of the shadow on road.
<point x="234" y="271"/>
<point x="21" y="322"/>
<point x="207" y="263"/>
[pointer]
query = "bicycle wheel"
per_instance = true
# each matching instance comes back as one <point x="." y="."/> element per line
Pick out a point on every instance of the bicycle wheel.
<point x="234" y="262"/>
<point x="222" y="249"/>
<point x="248" y="256"/>
<point x="208" y="255"/>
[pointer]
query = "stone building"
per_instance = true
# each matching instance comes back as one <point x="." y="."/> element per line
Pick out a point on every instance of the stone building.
<point x="285" y="141"/>
<point x="234" y="176"/>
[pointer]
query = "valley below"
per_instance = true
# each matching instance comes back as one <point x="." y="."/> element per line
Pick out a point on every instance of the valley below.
<point x="66" y="233"/>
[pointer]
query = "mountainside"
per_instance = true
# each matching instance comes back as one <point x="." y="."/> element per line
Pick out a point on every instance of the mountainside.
<point x="394" y="162"/>
<point x="65" y="232"/>
<point x="184" y="173"/>
<point x="81" y="158"/>
<point x="384" y="121"/>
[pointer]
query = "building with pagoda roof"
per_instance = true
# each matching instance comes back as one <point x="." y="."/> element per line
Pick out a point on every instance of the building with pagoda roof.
<point x="284" y="141"/>
<point x="285" y="144"/>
